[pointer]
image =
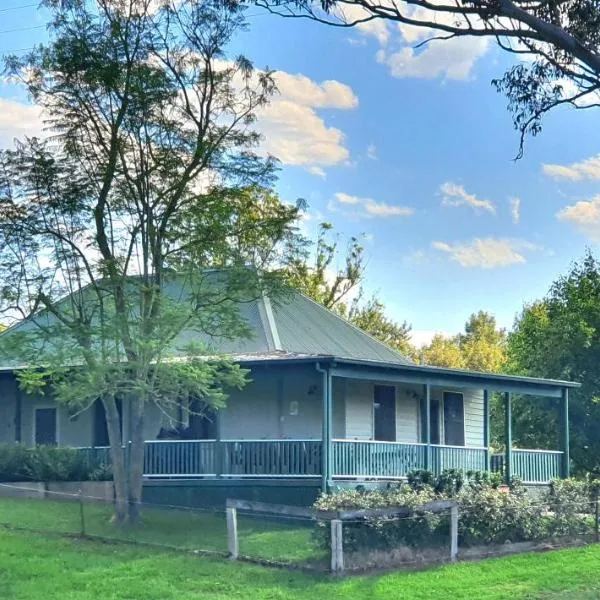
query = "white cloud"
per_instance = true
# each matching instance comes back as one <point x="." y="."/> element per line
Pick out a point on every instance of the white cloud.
<point x="18" y="120"/>
<point x="347" y="198"/>
<point x="291" y="128"/>
<point x="303" y="90"/>
<point x="585" y="169"/>
<point x="456" y="195"/>
<point x="515" y="209"/>
<point x="381" y="209"/>
<point x="372" y="152"/>
<point x="317" y="171"/>
<point x="377" y="28"/>
<point x="367" y="207"/>
<point x="585" y="216"/>
<point x="450" y="59"/>
<point x="487" y="253"/>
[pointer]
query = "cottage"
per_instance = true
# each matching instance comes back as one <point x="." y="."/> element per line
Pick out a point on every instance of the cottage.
<point x="327" y="405"/>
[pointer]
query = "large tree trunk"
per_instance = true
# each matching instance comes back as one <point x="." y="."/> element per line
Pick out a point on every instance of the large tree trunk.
<point x="117" y="458"/>
<point x="136" y="459"/>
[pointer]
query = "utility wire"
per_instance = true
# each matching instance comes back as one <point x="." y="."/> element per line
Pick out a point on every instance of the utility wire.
<point x="22" y="29"/>
<point x="3" y="10"/>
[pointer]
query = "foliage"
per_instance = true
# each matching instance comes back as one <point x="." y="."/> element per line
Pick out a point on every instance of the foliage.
<point x="482" y="346"/>
<point x="370" y="317"/>
<point x="568" y="500"/>
<point x="314" y="272"/>
<point x="48" y="463"/>
<point x="560" y="41"/>
<point x="559" y="337"/>
<point x="489" y="513"/>
<point x="147" y="219"/>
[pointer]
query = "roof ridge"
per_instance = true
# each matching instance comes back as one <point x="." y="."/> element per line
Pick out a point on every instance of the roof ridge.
<point x="267" y="317"/>
<point x="346" y="322"/>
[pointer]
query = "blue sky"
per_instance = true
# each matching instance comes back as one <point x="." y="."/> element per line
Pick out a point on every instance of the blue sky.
<point x="413" y="150"/>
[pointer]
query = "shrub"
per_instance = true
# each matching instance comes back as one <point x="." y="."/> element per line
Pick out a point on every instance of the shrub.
<point x="493" y="515"/>
<point x="570" y="503"/>
<point x="13" y="462"/>
<point x="382" y="533"/>
<point x="48" y="463"/>
<point x="489" y="513"/>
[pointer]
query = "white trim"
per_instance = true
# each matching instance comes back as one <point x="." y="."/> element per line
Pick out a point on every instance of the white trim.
<point x="45" y="406"/>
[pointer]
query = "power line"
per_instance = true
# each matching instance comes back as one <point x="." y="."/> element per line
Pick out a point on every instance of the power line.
<point x="3" y="10"/>
<point x="22" y="29"/>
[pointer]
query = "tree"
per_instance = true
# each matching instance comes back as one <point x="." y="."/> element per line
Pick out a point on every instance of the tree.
<point x="480" y="348"/>
<point x="107" y="228"/>
<point x="560" y="38"/>
<point x="370" y="317"/>
<point x="443" y="352"/>
<point x="559" y="337"/>
<point x="314" y="272"/>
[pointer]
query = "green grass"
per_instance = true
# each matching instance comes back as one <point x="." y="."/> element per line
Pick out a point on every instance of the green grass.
<point x="184" y="529"/>
<point x="38" y="567"/>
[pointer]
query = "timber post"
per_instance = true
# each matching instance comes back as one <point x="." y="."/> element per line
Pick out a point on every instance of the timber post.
<point x="508" y="431"/>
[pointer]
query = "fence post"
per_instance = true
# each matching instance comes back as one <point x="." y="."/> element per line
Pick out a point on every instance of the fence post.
<point x="597" y="521"/>
<point x="453" y="533"/>
<point x="232" y="533"/>
<point x="81" y="513"/>
<point x="337" y="547"/>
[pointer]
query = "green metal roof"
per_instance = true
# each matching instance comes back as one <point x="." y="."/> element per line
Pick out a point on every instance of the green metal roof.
<point x="294" y="325"/>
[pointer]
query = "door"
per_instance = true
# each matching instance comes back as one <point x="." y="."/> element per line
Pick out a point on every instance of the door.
<point x="100" y="427"/>
<point x="454" y="419"/>
<point x="384" y="409"/>
<point x="45" y="426"/>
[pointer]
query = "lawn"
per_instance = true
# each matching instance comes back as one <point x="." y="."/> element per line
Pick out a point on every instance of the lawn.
<point x="47" y="567"/>
<point x="184" y="529"/>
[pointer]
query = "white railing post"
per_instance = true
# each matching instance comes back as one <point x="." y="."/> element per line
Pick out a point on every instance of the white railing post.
<point x="232" y="533"/>
<point x="337" y="547"/>
<point x="454" y="533"/>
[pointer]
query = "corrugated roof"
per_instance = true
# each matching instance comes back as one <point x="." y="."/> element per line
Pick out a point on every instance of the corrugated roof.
<point x="295" y="325"/>
<point x="305" y="327"/>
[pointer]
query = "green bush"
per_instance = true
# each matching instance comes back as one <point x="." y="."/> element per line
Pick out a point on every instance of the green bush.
<point x="571" y="504"/>
<point x="48" y="463"/>
<point x="382" y="533"/>
<point x="489" y="513"/>
<point x="495" y="515"/>
<point x="13" y="462"/>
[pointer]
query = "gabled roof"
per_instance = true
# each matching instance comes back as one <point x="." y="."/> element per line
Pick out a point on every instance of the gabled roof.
<point x="297" y="325"/>
<point x="294" y="325"/>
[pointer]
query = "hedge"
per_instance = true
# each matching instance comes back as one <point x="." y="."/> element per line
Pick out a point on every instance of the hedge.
<point x="489" y="512"/>
<point x="48" y="463"/>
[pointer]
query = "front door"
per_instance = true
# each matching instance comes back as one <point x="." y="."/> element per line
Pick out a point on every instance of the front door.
<point x="385" y="413"/>
<point x="100" y="428"/>
<point x="454" y="419"/>
<point x="45" y="426"/>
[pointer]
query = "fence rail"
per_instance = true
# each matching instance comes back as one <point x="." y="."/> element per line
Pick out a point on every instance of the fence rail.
<point x="303" y="458"/>
<point x="272" y="458"/>
<point x="376" y="459"/>
<point x="455" y="457"/>
<point x="531" y="466"/>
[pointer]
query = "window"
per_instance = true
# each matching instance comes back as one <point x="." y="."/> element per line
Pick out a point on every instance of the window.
<point x="45" y="426"/>
<point x="384" y="408"/>
<point x="454" y="419"/>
